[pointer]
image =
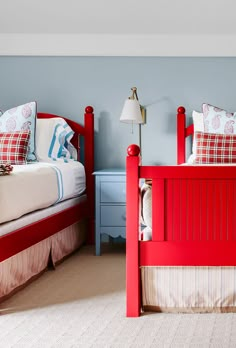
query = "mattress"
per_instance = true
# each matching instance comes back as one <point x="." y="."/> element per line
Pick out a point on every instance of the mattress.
<point x="37" y="215"/>
<point x="39" y="185"/>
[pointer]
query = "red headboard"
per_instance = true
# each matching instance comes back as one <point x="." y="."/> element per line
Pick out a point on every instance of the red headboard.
<point x="182" y="133"/>
<point x="87" y="131"/>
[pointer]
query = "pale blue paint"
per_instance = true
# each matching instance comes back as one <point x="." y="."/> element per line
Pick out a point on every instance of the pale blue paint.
<point x="65" y="85"/>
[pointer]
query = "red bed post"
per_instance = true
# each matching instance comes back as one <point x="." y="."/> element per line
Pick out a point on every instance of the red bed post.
<point x="89" y="165"/>
<point x="132" y="227"/>
<point x="181" y="125"/>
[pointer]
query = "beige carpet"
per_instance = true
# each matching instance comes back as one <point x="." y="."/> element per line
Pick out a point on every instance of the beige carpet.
<point x="82" y="304"/>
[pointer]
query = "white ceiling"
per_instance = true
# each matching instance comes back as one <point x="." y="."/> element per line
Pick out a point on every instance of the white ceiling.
<point x="171" y="17"/>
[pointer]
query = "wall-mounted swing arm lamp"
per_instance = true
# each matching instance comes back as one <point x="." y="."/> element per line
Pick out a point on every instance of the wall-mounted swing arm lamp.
<point x="133" y="112"/>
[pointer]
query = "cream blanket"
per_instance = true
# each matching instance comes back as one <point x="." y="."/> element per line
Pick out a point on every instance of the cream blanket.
<point x="27" y="188"/>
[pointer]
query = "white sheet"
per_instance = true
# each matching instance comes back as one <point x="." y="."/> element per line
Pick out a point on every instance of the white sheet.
<point x="37" y="186"/>
<point x="71" y="178"/>
<point x="191" y="163"/>
<point x="37" y="215"/>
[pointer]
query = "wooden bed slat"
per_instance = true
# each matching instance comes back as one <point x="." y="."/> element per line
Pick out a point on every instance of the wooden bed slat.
<point x="194" y="253"/>
<point x="183" y="210"/>
<point x="230" y="210"/>
<point x="169" y="214"/>
<point x="158" y="210"/>
<point x="204" y="211"/>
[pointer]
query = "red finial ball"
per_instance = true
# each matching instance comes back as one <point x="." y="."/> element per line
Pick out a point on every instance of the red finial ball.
<point x="133" y="150"/>
<point x="89" y="109"/>
<point x="181" y="110"/>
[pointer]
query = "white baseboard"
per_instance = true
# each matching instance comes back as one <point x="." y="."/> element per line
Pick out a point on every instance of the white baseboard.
<point x="117" y="45"/>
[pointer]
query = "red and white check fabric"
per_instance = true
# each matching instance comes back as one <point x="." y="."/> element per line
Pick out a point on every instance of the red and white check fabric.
<point x="14" y="146"/>
<point x="215" y="148"/>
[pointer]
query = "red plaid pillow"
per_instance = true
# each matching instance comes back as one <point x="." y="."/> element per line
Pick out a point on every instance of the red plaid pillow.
<point x="14" y="146"/>
<point x="215" y="148"/>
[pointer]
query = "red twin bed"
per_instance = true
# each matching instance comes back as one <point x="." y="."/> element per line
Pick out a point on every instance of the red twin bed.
<point x="27" y="250"/>
<point x="188" y="265"/>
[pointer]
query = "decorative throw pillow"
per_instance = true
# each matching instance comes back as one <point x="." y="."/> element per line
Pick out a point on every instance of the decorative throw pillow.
<point x="198" y="126"/>
<point x="53" y="137"/>
<point x="21" y="118"/>
<point x="146" y="205"/>
<point x="215" y="148"/>
<point x="217" y="120"/>
<point x="14" y="146"/>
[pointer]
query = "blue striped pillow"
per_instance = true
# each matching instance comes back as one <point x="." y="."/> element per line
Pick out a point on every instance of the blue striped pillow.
<point x="61" y="137"/>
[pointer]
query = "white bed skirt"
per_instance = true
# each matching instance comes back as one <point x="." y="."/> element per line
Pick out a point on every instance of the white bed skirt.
<point x="189" y="289"/>
<point x="20" y="268"/>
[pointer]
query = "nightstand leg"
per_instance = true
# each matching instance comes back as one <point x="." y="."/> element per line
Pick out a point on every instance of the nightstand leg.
<point x="98" y="242"/>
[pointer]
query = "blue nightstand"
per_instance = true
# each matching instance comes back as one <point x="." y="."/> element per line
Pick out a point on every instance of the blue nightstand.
<point x="110" y="209"/>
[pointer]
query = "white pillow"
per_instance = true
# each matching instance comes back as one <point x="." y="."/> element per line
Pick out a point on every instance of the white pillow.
<point x="146" y="205"/>
<point x="52" y="138"/>
<point x="198" y="125"/>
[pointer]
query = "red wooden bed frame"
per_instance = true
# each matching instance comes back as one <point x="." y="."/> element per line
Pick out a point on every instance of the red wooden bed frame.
<point x="29" y="235"/>
<point x="193" y="215"/>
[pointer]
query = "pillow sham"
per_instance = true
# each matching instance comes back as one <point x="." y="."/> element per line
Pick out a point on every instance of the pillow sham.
<point x="14" y="147"/>
<point x="21" y="118"/>
<point x="146" y="205"/>
<point x="53" y="136"/>
<point x="198" y="126"/>
<point x="215" y="148"/>
<point x="217" y="120"/>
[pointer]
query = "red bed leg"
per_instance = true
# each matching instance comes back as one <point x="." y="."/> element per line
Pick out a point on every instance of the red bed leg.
<point x="89" y="165"/>
<point x="133" y="300"/>
<point x="181" y="135"/>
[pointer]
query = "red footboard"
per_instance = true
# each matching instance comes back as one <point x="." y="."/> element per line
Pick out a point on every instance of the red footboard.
<point x="193" y="217"/>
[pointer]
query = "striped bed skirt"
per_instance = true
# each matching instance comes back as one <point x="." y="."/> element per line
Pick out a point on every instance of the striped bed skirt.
<point x="189" y="289"/>
<point x="19" y="269"/>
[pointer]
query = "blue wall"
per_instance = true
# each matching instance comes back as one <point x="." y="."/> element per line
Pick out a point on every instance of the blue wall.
<point x="65" y="85"/>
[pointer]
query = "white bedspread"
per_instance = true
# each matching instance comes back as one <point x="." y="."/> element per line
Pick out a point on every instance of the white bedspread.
<point x="39" y="185"/>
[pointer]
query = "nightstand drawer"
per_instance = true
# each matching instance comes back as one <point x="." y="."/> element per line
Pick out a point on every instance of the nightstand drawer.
<point x="110" y="207"/>
<point x="113" y="215"/>
<point x="113" y="192"/>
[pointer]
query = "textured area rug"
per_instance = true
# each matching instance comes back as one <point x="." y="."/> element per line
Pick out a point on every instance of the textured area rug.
<point x="82" y="304"/>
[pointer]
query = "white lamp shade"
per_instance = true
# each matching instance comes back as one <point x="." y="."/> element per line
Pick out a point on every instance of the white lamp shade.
<point x="131" y="112"/>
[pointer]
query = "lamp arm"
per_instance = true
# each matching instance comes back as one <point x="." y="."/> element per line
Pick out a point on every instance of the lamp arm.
<point x="134" y="93"/>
